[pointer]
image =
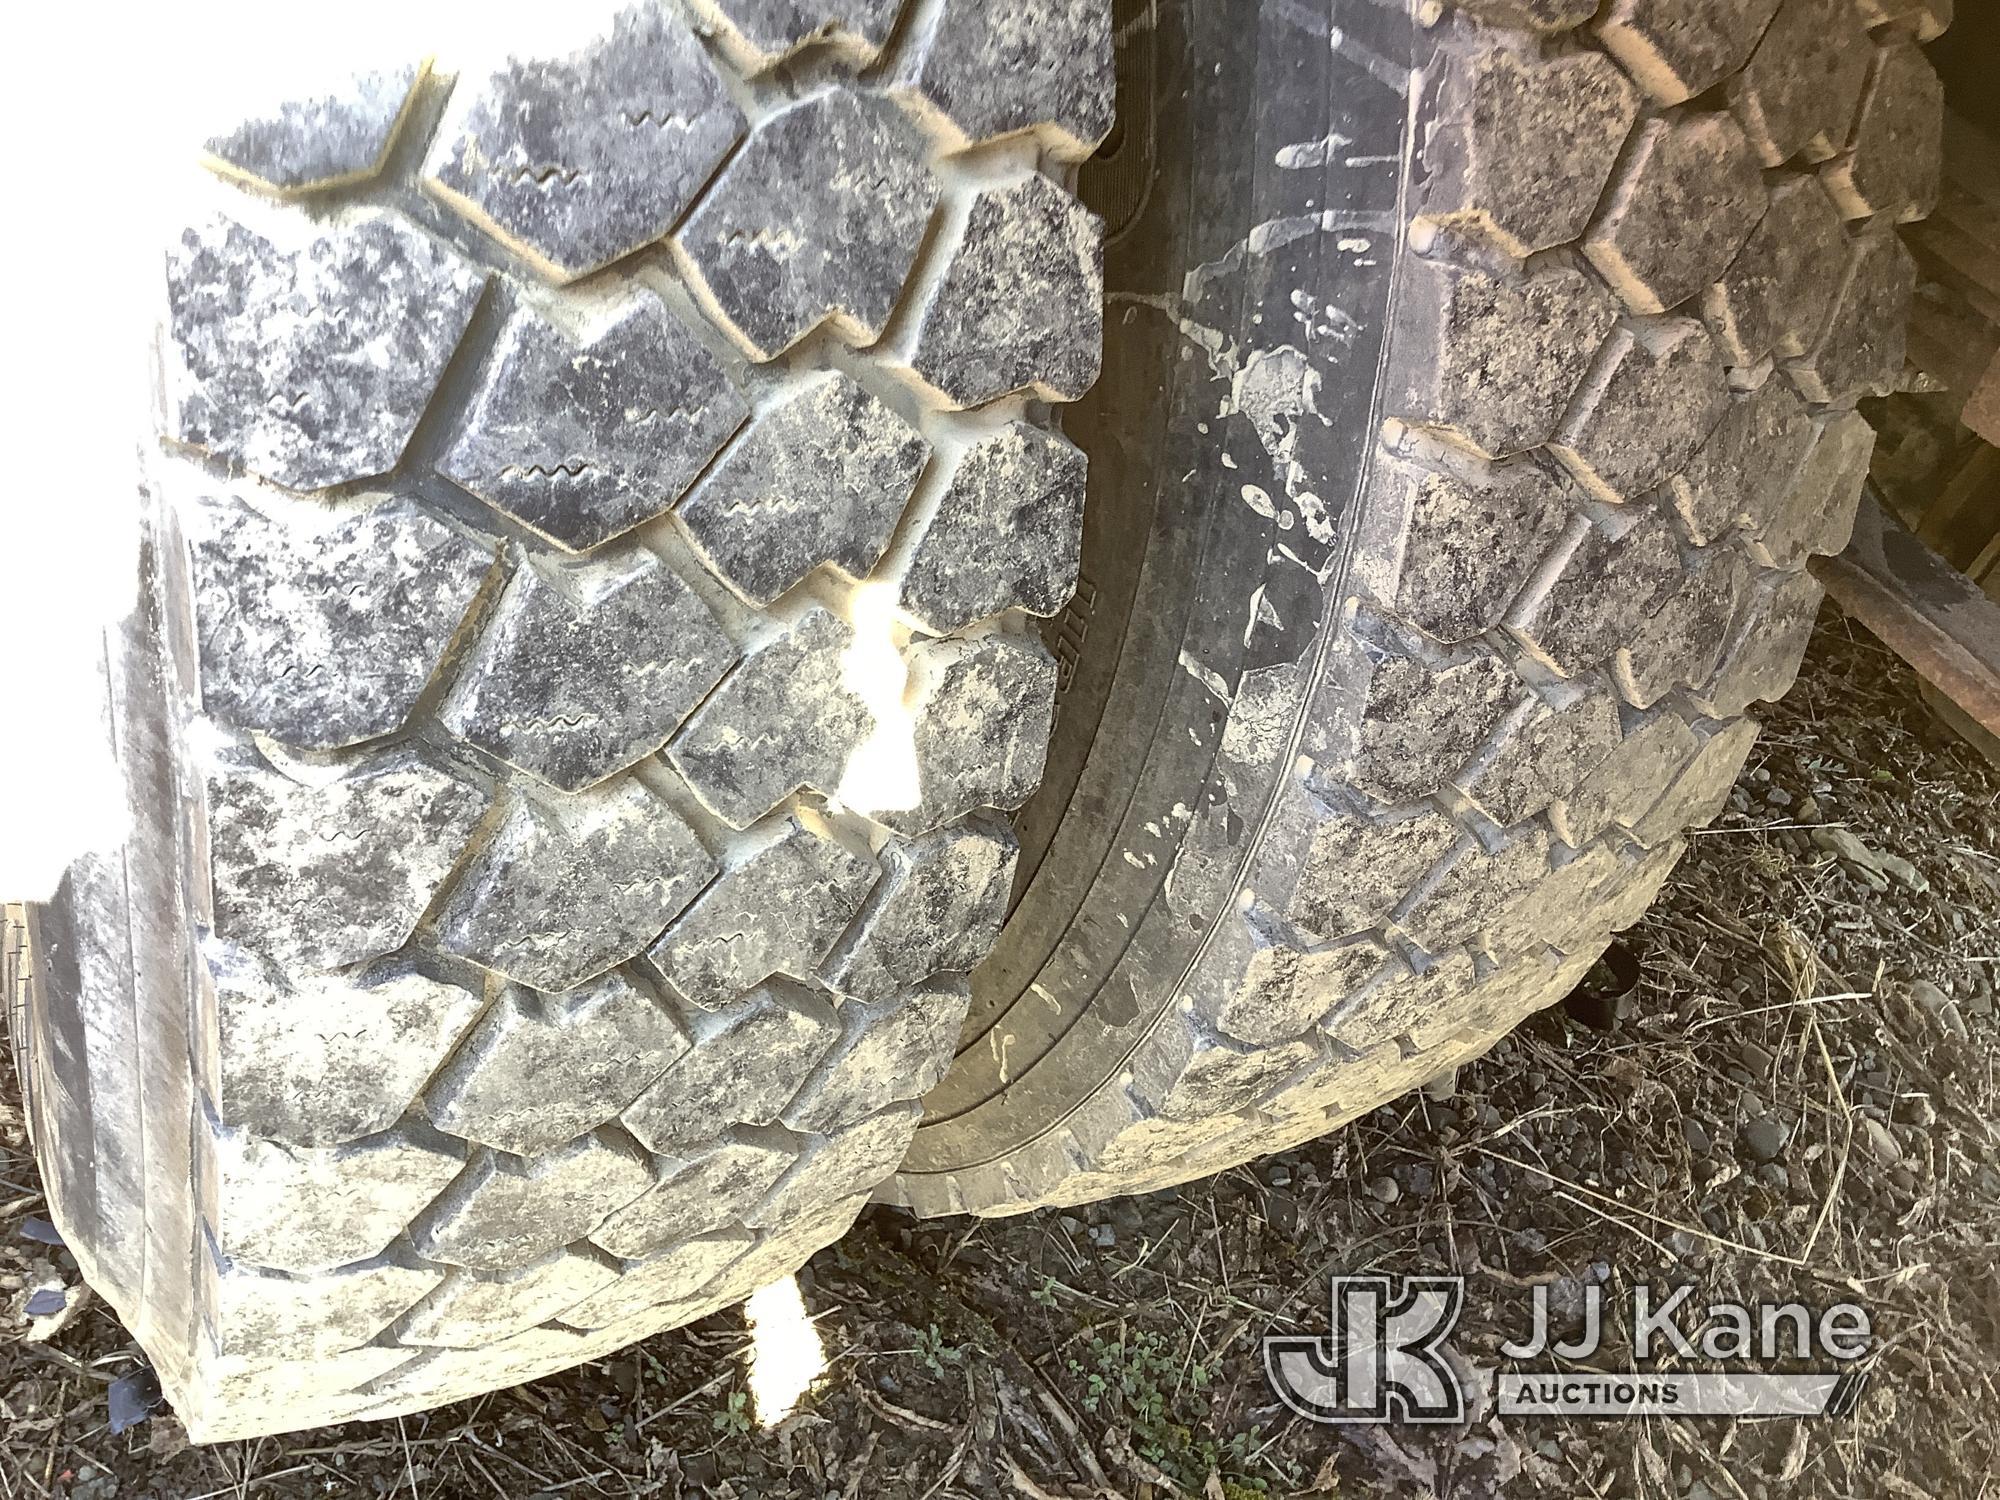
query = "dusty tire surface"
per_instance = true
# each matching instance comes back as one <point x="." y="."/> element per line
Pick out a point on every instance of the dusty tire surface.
<point x="1516" y="345"/>
<point x="582" y="663"/>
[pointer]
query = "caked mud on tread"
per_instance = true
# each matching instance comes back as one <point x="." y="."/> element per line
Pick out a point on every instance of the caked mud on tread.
<point x="567" y="467"/>
<point x="1646" y="265"/>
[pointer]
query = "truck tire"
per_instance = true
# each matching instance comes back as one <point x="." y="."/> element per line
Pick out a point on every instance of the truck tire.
<point x="1480" y="379"/>
<point x="582" y="662"/>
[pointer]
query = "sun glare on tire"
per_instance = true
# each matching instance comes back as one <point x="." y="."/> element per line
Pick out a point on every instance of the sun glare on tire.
<point x="881" y="774"/>
<point x="786" y="1355"/>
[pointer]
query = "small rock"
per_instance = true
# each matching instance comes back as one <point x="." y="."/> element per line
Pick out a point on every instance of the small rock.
<point x="1756" y="1058"/>
<point x="1778" y="797"/>
<point x="1068" y="1224"/>
<point x="1698" y="1142"/>
<point x="1279" y="1176"/>
<point x="1763" y="1138"/>
<point x="1870" y="864"/>
<point x="1935" y="1003"/>
<point x="1384" y="1190"/>
<point x="1808" y="809"/>
<point x="1442" y="1087"/>
<point x="1901" y="869"/>
<point x="1917" y="1111"/>
<point x="1103" y="1236"/>
<point x="1882" y="1142"/>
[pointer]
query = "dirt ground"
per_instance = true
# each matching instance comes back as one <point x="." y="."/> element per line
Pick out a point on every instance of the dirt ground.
<point x="1798" y="1101"/>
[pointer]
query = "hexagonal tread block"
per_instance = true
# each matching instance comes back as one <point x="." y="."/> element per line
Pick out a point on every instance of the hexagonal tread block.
<point x="1777" y="293"/>
<point x="784" y="719"/>
<point x="1746" y="465"/>
<point x="938" y="909"/>
<point x="573" y="160"/>
<point x="896" y="1049"/>
<point x="1420" y="722"/>
<point x="437" y="1375"/>
<point x="1627" y="782"/>
<point x="1355" y="873"/>
<point x="309" y="1210"/>
<point x="675" y="1276"/>
<point x="1690" y="197"/>
<point x="788" y="894"/>
<point x="293" y="1390"/>
<point x="323" y="1059"/>
<point x="1478" y="885"/>
<point x="995" y="70"/>
<point x="504" y="1211"/>
<point x="320" y="875"/>
<point x="1895" y="160"/>
<point x="1580" y="900"/>
<point x="704" y="1190"/>
<point x="818" y="218"/>
<point x="561" y="892"/>
<point x="1021" y="305"/>
<point x="745" y="1067"/>
<point x="1402" y="1002"/>
<point x="1798" y="92"/>
<point x="1531" y="15"/>
<point x="1493" y="364"/>
<point x="310" y="362"/>
<point x="819" y="479"/>
<point x="1680" y="48"/>
<point x="338" y="135"/>
<point x="1699" y="793"/>
<point x="1541" y="753"/>
<point x="473" y="1309"/>
<point x="1184" y="1073"/>
<point x="255" y="1314"/>
<point x="1815" y="516"/>
<point x="1006" y="534"/>
<point x="582" y="436"/>
<point x="586" y="667"/>
<point x="1523" y="147"/>
<point x="1655" y="395"/>
<point x="1680" y="642"/>
<point x="324" y="636"/>
<point x="1762" y="660"/>
<point x="1861" y="351"/>
<point x="834" y="1167"/>
<point x="781" y="1250"/>
<point x="1468" y="544"/>
<point x="540" y="1070"/>
<point x="1596" y="603"/>
<point x="757" y="35"/>
<point x="1269" y="984"/>
<point x="981" y="715"/>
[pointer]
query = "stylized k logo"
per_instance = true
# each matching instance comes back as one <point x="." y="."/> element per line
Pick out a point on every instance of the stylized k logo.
<point x="1380" y="1362"/>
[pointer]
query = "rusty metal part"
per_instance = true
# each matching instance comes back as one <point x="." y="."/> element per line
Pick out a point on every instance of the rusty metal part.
<point x="1922" y="608"/>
